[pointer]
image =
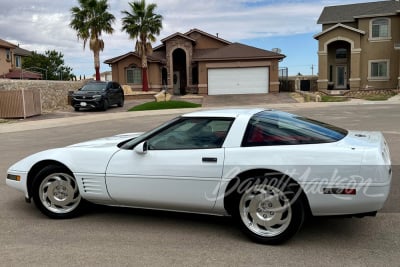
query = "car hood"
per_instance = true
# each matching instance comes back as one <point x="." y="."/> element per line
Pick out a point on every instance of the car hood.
<point x="87" y="93"/>
<point x="111" y="141"/>
<point x="86" y="157"/>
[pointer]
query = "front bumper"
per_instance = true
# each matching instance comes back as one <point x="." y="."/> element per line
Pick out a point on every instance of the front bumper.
<point x="20" y="185"/>
<point x="86" y="103"/>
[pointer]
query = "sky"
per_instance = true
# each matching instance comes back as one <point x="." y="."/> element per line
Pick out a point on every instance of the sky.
<point x="40" y="25"/>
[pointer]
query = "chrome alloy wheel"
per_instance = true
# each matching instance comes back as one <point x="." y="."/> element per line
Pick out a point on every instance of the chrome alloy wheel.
<point x="265" y="210"/>
<point x="59" y="193"/>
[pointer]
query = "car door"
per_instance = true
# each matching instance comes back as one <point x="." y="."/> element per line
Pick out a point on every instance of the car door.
<point x="112" y="93"/>
<point x="177" y="168"/>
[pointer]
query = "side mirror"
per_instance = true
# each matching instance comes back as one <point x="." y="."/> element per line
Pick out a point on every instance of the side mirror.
<point x="141" y="148"/>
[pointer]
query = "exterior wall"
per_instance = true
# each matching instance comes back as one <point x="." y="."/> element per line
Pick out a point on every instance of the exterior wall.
<point x="5" y="65"/>
<point x="54" y="94"/>
<point x="119" y="75"/>
<point x="154" y="72"/>
<point x="375" y="50"/>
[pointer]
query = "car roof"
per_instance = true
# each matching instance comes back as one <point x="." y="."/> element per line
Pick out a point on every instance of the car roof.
<point x="228" y="113"/>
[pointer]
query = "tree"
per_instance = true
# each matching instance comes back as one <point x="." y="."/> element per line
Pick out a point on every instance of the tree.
<point x="142" y="25"/>
<point x="89" y="20"/>
<point x="50" y="64"/>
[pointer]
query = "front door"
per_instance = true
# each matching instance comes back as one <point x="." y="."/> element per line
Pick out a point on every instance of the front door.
<point x="341" y="77"/>
<point x="177" y="83"/>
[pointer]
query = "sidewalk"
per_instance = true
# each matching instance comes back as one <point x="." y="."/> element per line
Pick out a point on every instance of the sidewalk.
<point x="73" y="118"/>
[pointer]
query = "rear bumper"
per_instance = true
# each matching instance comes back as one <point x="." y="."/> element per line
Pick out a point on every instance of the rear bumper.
<point x="367" y="199"/>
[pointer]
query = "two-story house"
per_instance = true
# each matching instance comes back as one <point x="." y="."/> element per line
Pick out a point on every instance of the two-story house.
<point x="11" y="57"/>
<point x="6" y="59"/>
<point x="359" y="45"/>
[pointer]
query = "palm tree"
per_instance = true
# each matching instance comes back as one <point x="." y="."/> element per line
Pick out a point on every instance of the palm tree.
<point x="143" y="25"/>
<point x="89" y="20"/>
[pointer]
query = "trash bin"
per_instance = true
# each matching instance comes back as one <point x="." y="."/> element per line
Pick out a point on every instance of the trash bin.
<point x="69" y="100"/>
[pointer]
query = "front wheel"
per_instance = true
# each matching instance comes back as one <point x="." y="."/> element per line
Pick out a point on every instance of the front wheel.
<point x="56" y="194"/>
<point x="105" y="105"/>
<point x="270" y="211"/>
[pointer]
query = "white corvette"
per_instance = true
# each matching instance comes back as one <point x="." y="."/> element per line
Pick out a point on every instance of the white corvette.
<point x="266" y="168"/>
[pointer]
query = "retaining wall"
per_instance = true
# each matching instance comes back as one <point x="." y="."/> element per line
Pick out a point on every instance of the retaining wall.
<point x="54" y="94"/>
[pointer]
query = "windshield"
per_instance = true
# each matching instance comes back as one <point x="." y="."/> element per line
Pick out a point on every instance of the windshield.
<point x="130" y="144"/>
<point x="94" y="87"/>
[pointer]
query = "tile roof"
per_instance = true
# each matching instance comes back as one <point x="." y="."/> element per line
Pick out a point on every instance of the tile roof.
<point x="349" y="13"/>
<point x="26" y="75"/>
<point x="22" y="52"/>
<point x="237" y="51"/>
<point x="5" y="44"/>
<point x="207" y="34"/>
<point x="153" y="58"/>
<point x="231" y="51"/>
<point x="176" y="35"/>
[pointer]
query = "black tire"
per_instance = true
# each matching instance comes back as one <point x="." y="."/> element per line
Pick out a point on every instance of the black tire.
<point x="56" y="194"/>
<point x="76" y="108"/>
<point x="269" y="208"/>
<point x="105" y="105"/>
<point x="121" y="102"/>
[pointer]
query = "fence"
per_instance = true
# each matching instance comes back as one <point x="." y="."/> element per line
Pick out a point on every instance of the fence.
<point x="20" y="103"/>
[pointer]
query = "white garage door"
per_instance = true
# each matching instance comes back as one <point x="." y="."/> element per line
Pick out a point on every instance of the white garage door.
<point x="230" y="81"/>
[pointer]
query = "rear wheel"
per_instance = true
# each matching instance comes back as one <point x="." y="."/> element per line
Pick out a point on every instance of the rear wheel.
<point x="76" y="108"/>
<point x="121" y="102"/>
<point x="269" y="211"/>
<point x="56" y="193"/>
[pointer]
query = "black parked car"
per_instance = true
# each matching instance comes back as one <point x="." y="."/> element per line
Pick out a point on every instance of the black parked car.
<point x="98" y="95"/>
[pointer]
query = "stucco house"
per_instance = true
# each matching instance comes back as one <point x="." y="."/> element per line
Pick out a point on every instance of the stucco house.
<point x="11" y="57"/>
<point x="6" y="49"/>
<point x="199" y="62"/>
<point x="358" y="46"/>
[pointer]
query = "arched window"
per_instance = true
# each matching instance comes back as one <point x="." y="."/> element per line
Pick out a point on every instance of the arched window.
<point x="341" y="53"/>
<point x="133" y="75"/>
<point x="380" y="28"/>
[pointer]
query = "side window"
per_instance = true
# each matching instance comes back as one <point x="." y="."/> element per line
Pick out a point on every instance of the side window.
<point x="273" y="129"/>
<point x="192" y="133"/>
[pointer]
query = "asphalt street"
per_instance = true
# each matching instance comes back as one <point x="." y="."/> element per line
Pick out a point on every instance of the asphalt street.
<point x="109" y="236"/>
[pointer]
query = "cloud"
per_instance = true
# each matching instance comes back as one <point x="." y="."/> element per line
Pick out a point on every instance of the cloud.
<point x="41" y="25"/>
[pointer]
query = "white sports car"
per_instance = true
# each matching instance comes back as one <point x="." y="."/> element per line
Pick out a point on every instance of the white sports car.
<point x="266" y="168"/>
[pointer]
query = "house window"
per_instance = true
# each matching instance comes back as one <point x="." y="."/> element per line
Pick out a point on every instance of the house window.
<point x="134" y="75"/>
<point x="8" y="54"/>
<point x="18" y="61"/>
<point x="380" y="28"/>
<point x="379" y="69"/>
<point x="341" y="53"/>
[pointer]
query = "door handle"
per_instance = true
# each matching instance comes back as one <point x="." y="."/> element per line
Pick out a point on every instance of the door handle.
<point x="205" y="159"/>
